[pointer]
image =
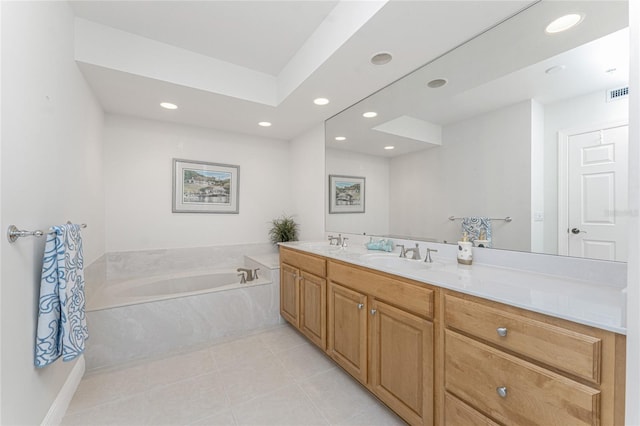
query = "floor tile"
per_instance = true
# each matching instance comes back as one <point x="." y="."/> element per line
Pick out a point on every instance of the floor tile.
<point x="180" y="367"/>
<point x="375" y="415"/>
<point x="132" y="411"/>
<point x="283" y="338"/>
<point x="222" y="419"/>
<point x="250" y="380"/>
<point x="337" y="395"/>
<point x="285" y="406"/>
<point x="239" y="351"/>
<point x="305" y="361"/>
<point x="188" y="401"/>
<point x="109" y="386"/>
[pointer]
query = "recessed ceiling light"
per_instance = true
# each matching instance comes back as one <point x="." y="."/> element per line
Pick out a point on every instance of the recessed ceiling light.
<point x="611" y="70"/>
<point x="555" y="69"/>
<point x="321" y="101"/>
<point x="381" y="58"/>
<point x="340" y="138"/>
<point x="389" y="147"/>
<point x="264" y="124"/>
<point x="168" y="105"/>
<point x="563" y="23"/>
<point x="438" y="82"/>
<point x="370" y="114"/>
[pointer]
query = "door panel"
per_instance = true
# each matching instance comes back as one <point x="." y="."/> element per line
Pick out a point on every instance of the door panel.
<point x="597" y="193"/>
<point x="290" y="294"/>
<point x="347" y="332"/>
<point x="313" y="309"/>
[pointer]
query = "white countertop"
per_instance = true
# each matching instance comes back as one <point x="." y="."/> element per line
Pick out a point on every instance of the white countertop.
<point x="571" y="299"/>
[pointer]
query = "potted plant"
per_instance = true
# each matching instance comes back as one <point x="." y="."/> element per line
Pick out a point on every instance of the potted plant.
<point x="283" y="229"/>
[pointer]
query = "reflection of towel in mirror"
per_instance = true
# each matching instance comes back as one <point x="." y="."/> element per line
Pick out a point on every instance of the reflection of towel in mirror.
<point x="62" y="326"/>
<point x="475" y="225"/>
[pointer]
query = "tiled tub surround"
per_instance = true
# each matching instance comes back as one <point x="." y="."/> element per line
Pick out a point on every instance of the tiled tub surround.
<point x="126" y="326"/>
<point x="585" y="291"/>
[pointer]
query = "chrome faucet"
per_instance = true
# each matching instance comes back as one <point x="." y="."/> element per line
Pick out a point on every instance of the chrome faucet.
<point x="428" y="256"/>
<point x="337" y="239"/>
<point x="415" y="251"/>
<point x="247" y="274"/>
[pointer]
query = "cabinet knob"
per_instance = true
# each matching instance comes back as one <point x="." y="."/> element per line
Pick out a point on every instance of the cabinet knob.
<point x="502" y="331"/>
<point x="502" y="391"/>
<point x="373" y="312"/>
<point x="360" y="305"/>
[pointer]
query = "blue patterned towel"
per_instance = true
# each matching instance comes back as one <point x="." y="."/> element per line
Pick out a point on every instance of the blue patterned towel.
<point x="474" y="225"/>
<point x="62" y="326"/>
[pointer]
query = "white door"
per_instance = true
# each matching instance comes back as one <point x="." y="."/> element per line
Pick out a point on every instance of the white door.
<point x="597" y="193"/>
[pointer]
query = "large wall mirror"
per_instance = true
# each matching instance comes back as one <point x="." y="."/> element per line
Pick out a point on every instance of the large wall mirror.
<point x="525" y="127"/>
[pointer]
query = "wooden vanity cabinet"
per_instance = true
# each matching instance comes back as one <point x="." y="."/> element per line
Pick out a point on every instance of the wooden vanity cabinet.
<point x="380" y="331"/>
<point x="519" y="367"/>
<point x="303" y="294"/>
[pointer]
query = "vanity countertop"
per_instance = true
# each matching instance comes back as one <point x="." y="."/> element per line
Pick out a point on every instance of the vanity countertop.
<point x="571" y="299"/>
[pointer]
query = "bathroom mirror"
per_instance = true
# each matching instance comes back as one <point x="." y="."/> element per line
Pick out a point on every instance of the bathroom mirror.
<point x="516" y="123"/>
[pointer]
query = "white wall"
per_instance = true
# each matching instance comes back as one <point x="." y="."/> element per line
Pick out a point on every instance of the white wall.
<point x="572" y="114"/>
<point x="633" y="288"/>
<point x="483" y="168"/>
<point x="375" y="170"/>
<point x="138" y="165"/>
<point x="51" y="172"/>
<point x="308" y="183"/>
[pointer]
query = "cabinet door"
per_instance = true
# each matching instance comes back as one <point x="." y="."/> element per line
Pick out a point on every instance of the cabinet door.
<point x="348" y="330"/>
<point x="313" y="309"/>
<point x="401" y="372"/>
<point x="290" y="294"/>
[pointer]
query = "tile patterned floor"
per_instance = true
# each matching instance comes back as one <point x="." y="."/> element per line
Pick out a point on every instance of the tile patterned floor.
<point x="275" y="377"/>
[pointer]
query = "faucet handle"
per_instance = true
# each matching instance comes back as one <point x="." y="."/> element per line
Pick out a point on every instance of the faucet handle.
<point x="403" y="252"/>
<point x="428" y="256"/>
<point x="344" y="241"/>
<point x="255" y="273"/>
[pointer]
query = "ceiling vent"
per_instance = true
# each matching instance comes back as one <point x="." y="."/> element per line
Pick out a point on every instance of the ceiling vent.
<point x="617" y="94"/>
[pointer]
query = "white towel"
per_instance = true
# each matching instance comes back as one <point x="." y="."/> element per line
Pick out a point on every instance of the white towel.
<point x="62" y="327"/>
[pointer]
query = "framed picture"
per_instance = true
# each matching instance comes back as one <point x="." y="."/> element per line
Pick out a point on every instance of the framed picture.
<point x="346" y="194"/>
<point x="200" y="187"/>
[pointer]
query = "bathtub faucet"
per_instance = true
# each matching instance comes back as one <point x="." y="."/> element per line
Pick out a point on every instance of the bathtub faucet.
<point x="247" y="274"/>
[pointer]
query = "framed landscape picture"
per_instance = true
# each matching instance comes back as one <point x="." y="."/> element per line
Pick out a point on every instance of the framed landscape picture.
<point x="346" y="194"/>
<point x="200" y="187"/>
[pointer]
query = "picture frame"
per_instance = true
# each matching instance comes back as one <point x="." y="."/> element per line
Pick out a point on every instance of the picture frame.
<point x="346" y="194"/>
<point x="202" y="187"/>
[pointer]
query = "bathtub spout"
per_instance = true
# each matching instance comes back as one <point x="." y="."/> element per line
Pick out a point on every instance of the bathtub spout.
<point x="247" y="275"/>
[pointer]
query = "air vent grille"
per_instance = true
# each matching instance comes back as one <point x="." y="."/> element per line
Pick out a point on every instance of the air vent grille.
<point x="617" y="94"/>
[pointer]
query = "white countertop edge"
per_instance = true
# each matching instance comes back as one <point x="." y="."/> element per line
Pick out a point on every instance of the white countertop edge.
<point x="355" y="251"/>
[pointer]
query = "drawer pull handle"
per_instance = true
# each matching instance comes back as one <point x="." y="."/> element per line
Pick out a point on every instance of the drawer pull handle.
<point x="360" y="305"/>
<point x="373" y="312"/>
<point x="502" y="391"/>
<point x="502" y="331"/>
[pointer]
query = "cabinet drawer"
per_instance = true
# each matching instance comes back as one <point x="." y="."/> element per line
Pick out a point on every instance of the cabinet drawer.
<point x="306" y="262"/>
<point x="457" y="413"/>
<point x="475" y="373"/>
<point x="573" y="352"/>
<point x="415" y="298"/>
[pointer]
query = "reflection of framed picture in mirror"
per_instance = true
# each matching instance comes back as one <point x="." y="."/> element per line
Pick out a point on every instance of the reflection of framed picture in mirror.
<point x="346" y="194"/>
<point x="200" y="187"/>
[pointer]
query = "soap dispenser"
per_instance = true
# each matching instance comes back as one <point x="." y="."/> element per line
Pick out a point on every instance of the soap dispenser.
<point x="465" y="253"/>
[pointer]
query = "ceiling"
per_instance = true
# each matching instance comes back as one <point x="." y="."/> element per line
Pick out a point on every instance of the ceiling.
<point x="230" y="64"/>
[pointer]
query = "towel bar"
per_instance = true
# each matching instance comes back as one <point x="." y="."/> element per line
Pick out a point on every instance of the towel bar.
<point x="506" y="219"/>
<point x="13" y="233"/>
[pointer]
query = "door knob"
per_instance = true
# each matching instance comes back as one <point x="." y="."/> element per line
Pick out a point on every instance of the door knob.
<point x="576" y="231"/>
<point x="502" y="391"/>
<point x="360" y="305"/>
<point x="373" y="312"/>
<point x="502" y="331"/>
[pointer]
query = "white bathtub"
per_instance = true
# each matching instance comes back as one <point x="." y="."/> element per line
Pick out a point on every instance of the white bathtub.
<point x="151" y="289"/>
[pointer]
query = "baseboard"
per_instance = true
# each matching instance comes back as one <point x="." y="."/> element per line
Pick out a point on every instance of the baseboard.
<point x="59" y="407"/>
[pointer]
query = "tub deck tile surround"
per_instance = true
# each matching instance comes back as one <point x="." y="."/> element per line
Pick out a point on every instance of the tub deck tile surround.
<point x="249" y="381"/>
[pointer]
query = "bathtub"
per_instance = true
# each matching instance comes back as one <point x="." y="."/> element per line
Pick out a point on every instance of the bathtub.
<point x="169" y="286"/>
<point x="143" y="318"/>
